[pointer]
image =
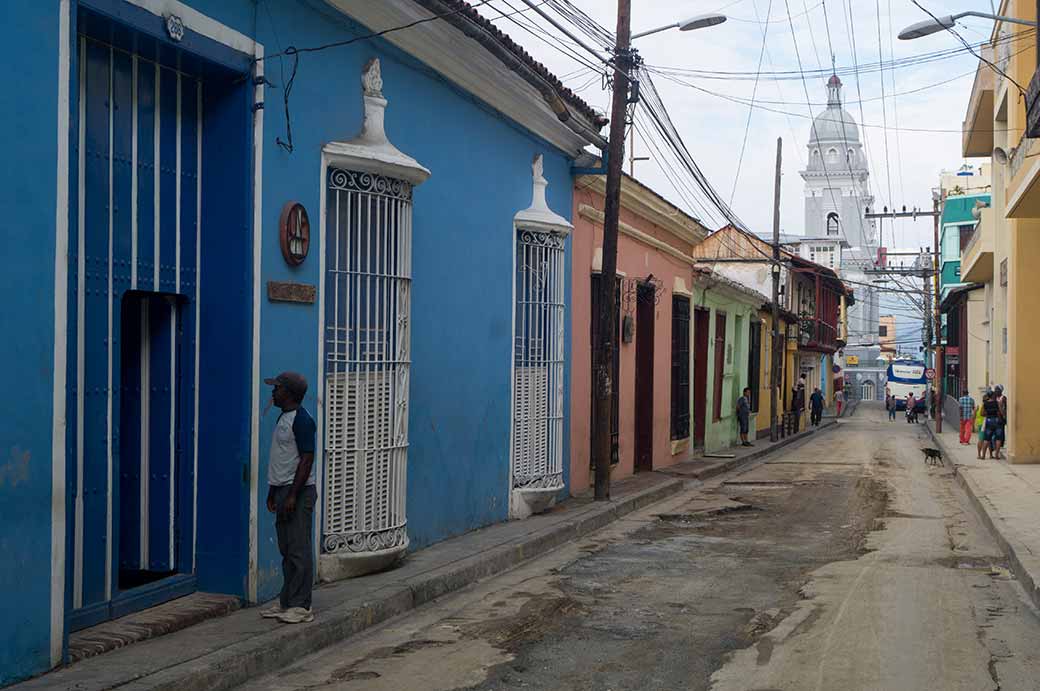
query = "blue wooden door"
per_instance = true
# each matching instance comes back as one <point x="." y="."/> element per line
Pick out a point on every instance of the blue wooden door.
<point x="132" y="331"/>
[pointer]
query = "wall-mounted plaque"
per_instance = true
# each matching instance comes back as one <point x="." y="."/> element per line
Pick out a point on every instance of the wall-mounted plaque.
<point x="284" y="291"/>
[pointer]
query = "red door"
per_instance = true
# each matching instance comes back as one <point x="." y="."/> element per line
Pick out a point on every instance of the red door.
<point x="645" y="309"/>
<point x="700" y="373"/>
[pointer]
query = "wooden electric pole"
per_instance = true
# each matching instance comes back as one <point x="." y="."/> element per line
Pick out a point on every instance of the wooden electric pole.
<point x="778" y="342"/>
<point x="606" y="340"/>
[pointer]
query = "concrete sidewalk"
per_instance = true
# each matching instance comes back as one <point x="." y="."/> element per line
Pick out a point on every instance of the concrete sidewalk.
<point x="1006" y="496"/>
<point x="228" y="651"/>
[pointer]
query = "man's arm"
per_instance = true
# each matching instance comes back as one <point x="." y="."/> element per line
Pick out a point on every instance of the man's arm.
<point x="270" y="499"/>
<point x="304" y="431"/>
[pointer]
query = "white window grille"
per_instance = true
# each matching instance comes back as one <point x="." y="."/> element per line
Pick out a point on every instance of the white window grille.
<point x="538" y="369"/>
<point x="538" y="353"/>
<point x="367" y="292"/>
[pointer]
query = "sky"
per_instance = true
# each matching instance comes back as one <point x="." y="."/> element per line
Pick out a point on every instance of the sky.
<point x="905" y="161"/>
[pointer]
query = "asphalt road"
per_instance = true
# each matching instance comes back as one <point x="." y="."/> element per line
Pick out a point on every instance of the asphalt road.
<point x="840" y="563"/>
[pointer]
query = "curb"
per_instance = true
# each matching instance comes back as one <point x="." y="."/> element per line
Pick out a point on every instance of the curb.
<point x="268" y="652"/>
<point x="1011" y="547"/>
<point x="734" y="463"/>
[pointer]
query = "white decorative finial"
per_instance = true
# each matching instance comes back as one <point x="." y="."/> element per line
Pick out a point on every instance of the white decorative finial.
<point x="372" y="78"/>
<point x="539" y="216"/>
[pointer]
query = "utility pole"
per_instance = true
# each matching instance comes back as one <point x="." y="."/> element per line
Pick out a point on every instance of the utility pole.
<point x="940" y="351"/>
<point x="778" y="343"/>
<point x="607" y="332"/>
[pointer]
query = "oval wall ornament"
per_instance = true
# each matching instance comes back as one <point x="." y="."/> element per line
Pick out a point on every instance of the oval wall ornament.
<point x="294" y="233"/>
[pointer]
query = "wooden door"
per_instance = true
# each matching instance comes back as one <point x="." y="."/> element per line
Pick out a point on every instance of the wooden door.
<point x="700" y="373"/>
<point x="720" y="364"/>
<point x="644" y="403"/>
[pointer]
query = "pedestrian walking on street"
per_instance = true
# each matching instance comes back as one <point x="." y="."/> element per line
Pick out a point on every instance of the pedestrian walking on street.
<point x="798" y="405"/>
<point x="744" y="414"/>
<point x="890" y="406"/>
<point x="998" y="391"/>
<point x="968" y="410"/>
<point x="911" y="407"/>
<point x="816" y="407"/>
<point x="839" y="399"/>
<point x="990" y="413"/>
<point x="992" y="430"/>
<point x="291" y="496"/>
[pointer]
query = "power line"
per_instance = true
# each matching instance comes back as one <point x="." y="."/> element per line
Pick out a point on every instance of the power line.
<point x="751" y="107"/>
<point x="862" y="68"/>
<point x="759" y="106"/>
<point x="884" y="119"/>
<point x="895" y="113"/>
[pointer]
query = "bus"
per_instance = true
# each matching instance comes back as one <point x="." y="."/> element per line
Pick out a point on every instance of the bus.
<point x="907" y="377"/>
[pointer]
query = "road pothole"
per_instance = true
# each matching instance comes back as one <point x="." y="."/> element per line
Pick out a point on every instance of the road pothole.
<point x="699" y="516"/>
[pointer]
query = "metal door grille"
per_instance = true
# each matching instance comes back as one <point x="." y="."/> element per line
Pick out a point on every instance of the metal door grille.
<point x="367" y="361"/>
<point x="538" y="370"/>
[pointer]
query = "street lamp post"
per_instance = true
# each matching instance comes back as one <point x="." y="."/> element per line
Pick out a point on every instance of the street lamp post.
<point x="936" y="24"/>
<point x="624" y="60"/>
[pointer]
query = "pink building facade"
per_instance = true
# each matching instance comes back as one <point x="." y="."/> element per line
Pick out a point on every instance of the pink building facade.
<point x="654" y="266"/>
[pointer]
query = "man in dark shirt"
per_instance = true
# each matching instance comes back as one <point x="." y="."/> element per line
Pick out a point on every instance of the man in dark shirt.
<point x="744" y="415"/>
<point x="816" y="407"/>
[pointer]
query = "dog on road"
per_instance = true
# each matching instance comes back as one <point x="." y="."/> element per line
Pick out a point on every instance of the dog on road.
<point x="933" y="457"/>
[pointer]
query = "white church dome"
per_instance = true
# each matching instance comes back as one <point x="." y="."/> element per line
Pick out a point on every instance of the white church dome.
<point x="834" y="124"/>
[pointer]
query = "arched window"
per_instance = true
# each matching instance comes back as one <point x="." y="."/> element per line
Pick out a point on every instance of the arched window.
<point x="850" y="156"/>
<point x="832" y="223"/>
<point x="832" y="155"/>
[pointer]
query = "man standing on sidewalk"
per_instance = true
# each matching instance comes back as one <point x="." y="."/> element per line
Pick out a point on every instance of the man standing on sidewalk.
<point x="291" y="497"/>
<point x="744" y="414"/>
<point x="816" y="407"/>
<point x="967" y="408"/>
<point x="839" y="399"/>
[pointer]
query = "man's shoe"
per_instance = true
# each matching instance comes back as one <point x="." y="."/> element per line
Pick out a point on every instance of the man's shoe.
<point x="272" y="612"/>
<point x="746" y="443"/>
<point x="296" y="615"/>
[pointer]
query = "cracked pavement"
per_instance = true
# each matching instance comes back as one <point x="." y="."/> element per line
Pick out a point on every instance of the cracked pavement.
<point x="841" y="562"/>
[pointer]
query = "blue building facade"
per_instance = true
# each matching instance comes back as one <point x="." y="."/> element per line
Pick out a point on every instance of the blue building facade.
<point x="199" y="208"/>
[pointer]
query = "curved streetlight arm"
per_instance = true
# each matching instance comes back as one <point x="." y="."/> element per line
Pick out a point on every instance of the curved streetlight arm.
<point x="998" y="17"/>
<point x="673" y="25"/>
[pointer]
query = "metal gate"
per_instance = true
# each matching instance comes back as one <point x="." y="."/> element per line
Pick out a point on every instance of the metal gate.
<point x="367" y="361"/>
<point x="538" y="361"/>
<point x="133" y="347"/>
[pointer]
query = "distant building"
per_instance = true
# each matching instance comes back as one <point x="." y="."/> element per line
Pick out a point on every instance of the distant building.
<point x="887" y="336"/>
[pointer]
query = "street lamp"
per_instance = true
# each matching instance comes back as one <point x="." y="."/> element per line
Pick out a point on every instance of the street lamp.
<point x="701" y="21"/>
<point x="935" y="24"/>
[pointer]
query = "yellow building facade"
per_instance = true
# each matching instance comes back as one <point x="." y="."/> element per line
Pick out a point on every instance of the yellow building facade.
<point x="1004" y="252"/>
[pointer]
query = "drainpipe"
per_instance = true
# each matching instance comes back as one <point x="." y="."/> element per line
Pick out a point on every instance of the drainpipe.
<point x="510" y="60"/>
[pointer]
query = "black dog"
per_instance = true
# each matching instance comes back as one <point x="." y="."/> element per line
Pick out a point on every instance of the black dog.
<point x="933" y="457"/>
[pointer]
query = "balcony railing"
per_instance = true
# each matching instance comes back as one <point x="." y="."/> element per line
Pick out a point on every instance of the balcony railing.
<point x="1033" y="106"/>
<point x="817" y="334"/>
